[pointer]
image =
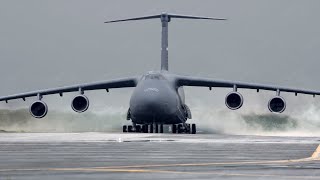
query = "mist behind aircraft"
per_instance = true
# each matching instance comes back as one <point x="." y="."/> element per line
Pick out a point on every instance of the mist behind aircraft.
<point x="210" y="119"/>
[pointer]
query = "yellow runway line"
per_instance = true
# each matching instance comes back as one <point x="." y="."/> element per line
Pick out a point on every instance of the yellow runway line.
<point x="213" y="163"/>
<point x="316" y="153"/>
<point x="106" y="170"/>
<point x="186" y="172"/>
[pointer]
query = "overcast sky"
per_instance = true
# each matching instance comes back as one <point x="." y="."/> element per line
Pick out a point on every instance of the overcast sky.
<point x="45" y="44"/>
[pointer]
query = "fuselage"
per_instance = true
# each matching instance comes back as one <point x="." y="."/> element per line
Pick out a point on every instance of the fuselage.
<point x="157" y="99"/>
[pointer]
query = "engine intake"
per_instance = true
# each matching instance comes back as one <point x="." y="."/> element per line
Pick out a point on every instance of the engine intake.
<point x="80" y="103"/>
<point x="38" y="109"/>
<point x="277" y="104"/>
<point x="234" y="100"/>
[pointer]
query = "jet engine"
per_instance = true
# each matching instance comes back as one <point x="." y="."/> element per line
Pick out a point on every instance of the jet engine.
<point x="234" y="100"/>
<point x="80" y="103"/>
<point x="38" y="109"/>
<point x="277" y="104"/>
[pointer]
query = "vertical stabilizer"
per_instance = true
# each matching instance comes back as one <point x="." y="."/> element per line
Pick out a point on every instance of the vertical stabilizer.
<point x="164" y="42"/>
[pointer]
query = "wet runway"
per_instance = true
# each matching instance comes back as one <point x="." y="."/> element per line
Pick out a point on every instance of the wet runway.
<point x="157" y="156"/>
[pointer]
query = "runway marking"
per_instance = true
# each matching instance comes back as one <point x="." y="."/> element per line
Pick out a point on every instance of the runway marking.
<point x="215" y="163"/>
<point x="316" y="153"/>
<point x="191" y="173"/>
<point x="169" y="165"/>
<point x="103" y="170"/>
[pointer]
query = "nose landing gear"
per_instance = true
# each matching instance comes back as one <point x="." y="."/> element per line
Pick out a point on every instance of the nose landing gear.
<point x="145" y="128"/>
<point x="159" y="128"/>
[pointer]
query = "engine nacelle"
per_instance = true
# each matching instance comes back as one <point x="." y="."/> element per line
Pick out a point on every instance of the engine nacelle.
<point x="80" y="103"/>
<point x="234" y="100"/>
<point x="38" y="109"/>
<point x="277" y="104"/>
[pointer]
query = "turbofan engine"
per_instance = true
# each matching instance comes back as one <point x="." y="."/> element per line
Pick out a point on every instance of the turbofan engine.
<point x="234" y="100"/>
<point x="38" y="109"/>
<point x="277" y="104"/>
<point x="80" y="103"/>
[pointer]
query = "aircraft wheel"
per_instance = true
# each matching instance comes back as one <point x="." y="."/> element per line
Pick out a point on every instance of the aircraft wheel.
<point x="145" y="128"/>
<point x="130" y="128"/>
<point x="161" y="128"/>
<point x="180" y="130"/>
<point x="193" y="129"/>
<point x="174" y="128"/>
<point x="188" y="131"/>
<point x="138" y="128"/>
<point x="124" y="128"/>
<point x="151" y="128"/>
<point x="157" y="128"/>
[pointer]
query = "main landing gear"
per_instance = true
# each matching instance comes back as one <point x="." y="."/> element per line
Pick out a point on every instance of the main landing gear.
<point x="184" y="128"/>
<point x="159" y="128"/>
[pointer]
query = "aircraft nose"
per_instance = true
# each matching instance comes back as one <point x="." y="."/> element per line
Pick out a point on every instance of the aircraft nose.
<point x="152" y="101"/>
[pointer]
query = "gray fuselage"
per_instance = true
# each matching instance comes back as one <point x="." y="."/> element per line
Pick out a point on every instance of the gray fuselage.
<point x="157" y="99"/>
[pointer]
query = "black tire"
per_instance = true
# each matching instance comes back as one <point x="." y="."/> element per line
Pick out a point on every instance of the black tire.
<point x="151" y="128"/>
<point x="138" y="128"/>
<point x="161" y="128"/>
<point x="130" y="128"/>
<point x="179" y="128"/>
<point x="174" y="128"/>
<point x="189" y="129"/>
<point x="124" y="128"/>
<point x="157" y="128"/>
<point x="145" y="128"/>
<point x="193" y="129"/>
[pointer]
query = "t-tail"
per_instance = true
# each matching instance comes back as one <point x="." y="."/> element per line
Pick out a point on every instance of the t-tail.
<point x="165" y="19"/>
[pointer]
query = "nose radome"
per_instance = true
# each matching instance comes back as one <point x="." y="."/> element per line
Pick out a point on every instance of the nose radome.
<point x="153" y="101"/>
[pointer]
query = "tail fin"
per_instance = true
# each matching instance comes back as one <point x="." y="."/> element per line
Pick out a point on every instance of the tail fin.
<point x="165" y="18"/>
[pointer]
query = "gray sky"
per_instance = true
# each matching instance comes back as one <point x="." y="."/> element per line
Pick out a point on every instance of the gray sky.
<point x="45" y="44"/>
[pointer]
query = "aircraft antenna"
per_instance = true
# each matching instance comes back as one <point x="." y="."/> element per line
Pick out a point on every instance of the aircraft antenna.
<point x="165" y="19"/>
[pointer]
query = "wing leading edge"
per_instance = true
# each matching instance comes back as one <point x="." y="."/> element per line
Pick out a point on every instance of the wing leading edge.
<point x="206" y="82"/>
<point x="116" y="83"/>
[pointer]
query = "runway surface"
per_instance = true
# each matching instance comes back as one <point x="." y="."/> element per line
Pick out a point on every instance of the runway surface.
<point x="156" y="156"/>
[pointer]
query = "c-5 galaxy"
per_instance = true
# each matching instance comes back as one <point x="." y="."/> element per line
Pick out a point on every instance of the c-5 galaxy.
<point x="158" y="97"/>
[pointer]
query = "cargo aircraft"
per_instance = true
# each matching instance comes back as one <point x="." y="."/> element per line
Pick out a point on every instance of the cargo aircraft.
<point x="158" y="97"/>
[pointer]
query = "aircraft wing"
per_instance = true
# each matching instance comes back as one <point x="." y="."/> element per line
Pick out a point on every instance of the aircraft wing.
<point x="116" y="83"/>
<point x="207" y="82"/>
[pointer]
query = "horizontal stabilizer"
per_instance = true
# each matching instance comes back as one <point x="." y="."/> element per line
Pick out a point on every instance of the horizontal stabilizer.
<point x="134" y="19"/>
<point x="166" y="17"/>
<point x="193" y="17"/>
